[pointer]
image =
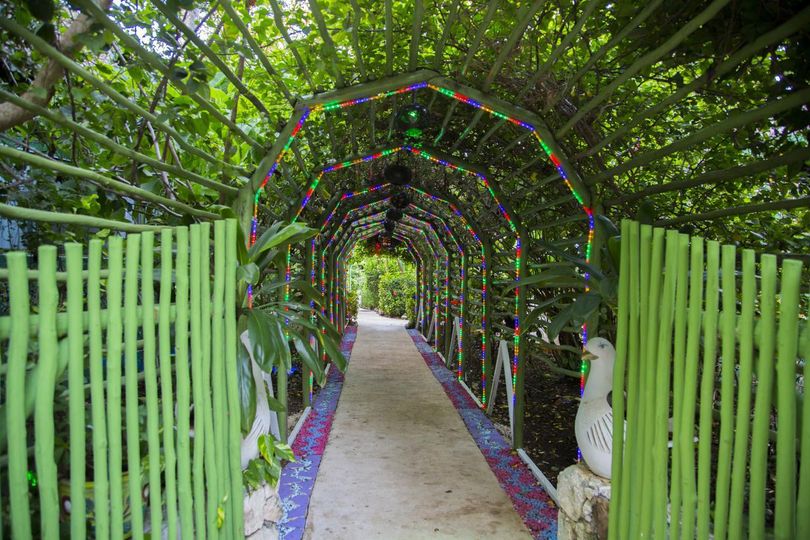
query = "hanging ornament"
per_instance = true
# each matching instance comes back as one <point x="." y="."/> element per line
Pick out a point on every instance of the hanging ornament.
<point x="393" y="214"/>
<point x="397" y="174"/>
<point x="412" y="120"/>
<point x="400" y="200"/>
<point x="389" y="226"/>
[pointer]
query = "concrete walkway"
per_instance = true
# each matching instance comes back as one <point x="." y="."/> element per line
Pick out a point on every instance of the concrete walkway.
<point x="399" y="462"/>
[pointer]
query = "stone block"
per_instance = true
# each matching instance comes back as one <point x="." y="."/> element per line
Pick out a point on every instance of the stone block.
<point x="584" y="499"/>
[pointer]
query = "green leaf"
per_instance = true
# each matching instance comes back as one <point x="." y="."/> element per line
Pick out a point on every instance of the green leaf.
<point x="332" y="349"/>
<point x="309" y="356"/>
<point x="284" y="451"/>
<point x="274" y="238"/>
<point x="269" y="346"/>
<point x="266" y="448"/>
<point x="282" y="346"/>
<point x="248" y="272"/>
<point x="275" y="405"/>
<point x="247" y="390"/>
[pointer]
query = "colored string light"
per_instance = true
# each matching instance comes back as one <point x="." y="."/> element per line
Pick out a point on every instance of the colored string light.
<point x="458" y="97"/>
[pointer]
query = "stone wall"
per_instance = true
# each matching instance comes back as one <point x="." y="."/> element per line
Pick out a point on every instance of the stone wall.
<point x="262" y="513"/>
<point x="584" y="499"/>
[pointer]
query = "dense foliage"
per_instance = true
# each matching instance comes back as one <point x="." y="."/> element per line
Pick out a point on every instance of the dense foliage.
<point x="386" y="283"/>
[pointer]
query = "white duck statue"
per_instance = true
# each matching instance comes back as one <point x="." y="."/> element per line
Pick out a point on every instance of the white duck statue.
<point x="594" y="422"/>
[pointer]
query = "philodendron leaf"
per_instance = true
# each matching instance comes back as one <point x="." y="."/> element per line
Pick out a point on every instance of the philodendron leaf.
<point x="247" y="390"/>
<point x="266" y="448"/>
<point x="559" y="321"/>
<point x="260" y="340"/>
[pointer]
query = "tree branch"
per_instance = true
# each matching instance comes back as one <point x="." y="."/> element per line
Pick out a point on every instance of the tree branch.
<point x="11" y="115"/>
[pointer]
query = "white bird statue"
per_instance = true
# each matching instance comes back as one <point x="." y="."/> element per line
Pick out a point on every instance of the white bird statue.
<point x="266" y="420"/>
<point x="594" y="422"/>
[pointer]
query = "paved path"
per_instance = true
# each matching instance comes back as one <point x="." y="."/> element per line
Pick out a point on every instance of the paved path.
<point x="400" y="464"/>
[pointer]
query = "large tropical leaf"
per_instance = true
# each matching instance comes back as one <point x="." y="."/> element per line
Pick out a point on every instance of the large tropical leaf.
<point x="332" y="349"/>
<point x="268" y="341"/>
<point x="276" y="237"/>
<point x="247" y="389"/>
<point x="309" y="356"/>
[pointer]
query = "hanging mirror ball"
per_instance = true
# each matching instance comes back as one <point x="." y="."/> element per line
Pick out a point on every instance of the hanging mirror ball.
<point x="397" y="174"/>
<point x="393" y="214"/>
<point x="400" y="200"/>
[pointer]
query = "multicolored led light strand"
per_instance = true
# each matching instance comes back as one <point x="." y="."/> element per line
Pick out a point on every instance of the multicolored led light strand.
<point x="335" y="105"/>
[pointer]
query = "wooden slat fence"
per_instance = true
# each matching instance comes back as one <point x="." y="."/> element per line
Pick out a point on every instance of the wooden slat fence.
<point x="709" y="355"/>
<point x="119" y="388"/>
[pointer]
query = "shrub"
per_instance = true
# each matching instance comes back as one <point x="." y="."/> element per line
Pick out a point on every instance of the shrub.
<point x="393" y="293"/>
<point x="351" y="305"/>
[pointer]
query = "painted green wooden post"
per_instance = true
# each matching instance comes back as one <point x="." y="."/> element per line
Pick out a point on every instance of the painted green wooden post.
<point x="487" y="318"/>
<point x="131" y="381"/>
<point x="281" y="384"/>
<point x="114" y="359"/>
<point x="99" y="405"/>
<point x="728" y="323"/>
<point x="76" y="397"/>
<point x="707" y="388"/>
<point x="46" y="385"/>
<point x="465" y="326"/>
<point x="678" y="367"/>
<point x="662" y="364"/>
<point x="641" y="238"/>
<point x="739" y="465"/>
<point x="234" y="433"/>
<point x="167" y="397"/>
<point x="686" y="434"/>
<point x="197" y="381"/>
<point x="218" y="388"/>
<point x="15" y="395"/>
<point x="803" y="501"/>
<point x="787" y="344"/>
<point x="211" y="469"/>
<point x="150" y="379"/>
<point x="763" y="402"/>
<point x="619" y="377"/>
<point x="185" y="494"/>
<point x="649" y="391"/>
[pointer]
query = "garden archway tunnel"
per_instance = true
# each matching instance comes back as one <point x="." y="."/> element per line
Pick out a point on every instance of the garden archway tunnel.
<point x="529" y="130"/>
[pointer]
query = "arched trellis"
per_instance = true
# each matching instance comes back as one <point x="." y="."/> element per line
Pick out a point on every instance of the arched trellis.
<point x="453" y="164"/>
<point x="372" y="198"/>
<point x="363" y="93"/>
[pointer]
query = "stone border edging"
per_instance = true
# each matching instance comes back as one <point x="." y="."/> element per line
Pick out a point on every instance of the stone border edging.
<point x="298" y="478"/>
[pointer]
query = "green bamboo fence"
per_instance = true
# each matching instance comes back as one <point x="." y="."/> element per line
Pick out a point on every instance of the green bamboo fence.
<point x="144" y="322"/>
<point x="708" y="342"/>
